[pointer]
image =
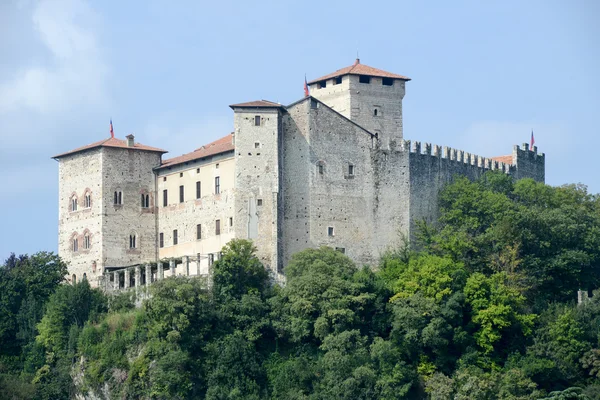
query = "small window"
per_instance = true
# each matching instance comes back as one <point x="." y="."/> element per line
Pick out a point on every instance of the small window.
<point x="174" y="236"/>
<point x="218" y="227"/>
<point x="86" y="242"/>
<point x="164" y="178"/>
<point x="74" y="279"/>
<point x="217" y="185"/>
<point x="197" y="170"/>
<point x="84" y="276"/>
<point x="217" y="166"/>
<point x="161" y="240"/>
<point x="165" y="198"/>
<point x="230" y="221"/>
<point x="364" y="79"/>
<point x="256" y="145"/>
<point x="198" y="190"/>
<point x="87" y="200"/>
<point x="132" y="241"/>
<point x="321" y="169"/>
<point x="75" y="244"/>
<point x="350" y="169"/>
<point x="198" y="232"/>
<point x="118" y="198"/>
<point x="211" y="259"/>
<point x="257" y="120"/>
<point x="330" y="231"/>
<point x="341" y="250"/>
<point x="181" y="174"/>
<point x="181" y="196"/>
<point x="387" y="82"/>
<point x="322" y="84"/>
<point x="259" y="202"/>
<point x="74" y="204"/>
<point x="313" y="103"/>
<point x="145" y="200"/>
<point x="338" y="80"/>
<point x="375" y="112"/>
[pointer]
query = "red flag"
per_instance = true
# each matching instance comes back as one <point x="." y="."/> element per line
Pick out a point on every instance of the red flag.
<point x="532" y="140"/>
<point x="306" y="92"/>
<point x="112" y="133"/>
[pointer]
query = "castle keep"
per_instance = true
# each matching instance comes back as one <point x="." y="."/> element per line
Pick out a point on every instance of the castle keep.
<point x="330" y="169"/>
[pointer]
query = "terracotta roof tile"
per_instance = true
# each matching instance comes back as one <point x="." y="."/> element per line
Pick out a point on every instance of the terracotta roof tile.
<point x="360" y="69"/>
<point x="219" y="146"/>
<point x="258" y="104"/>
<point x="111" y="142"/>
<point x="505" y="159"/>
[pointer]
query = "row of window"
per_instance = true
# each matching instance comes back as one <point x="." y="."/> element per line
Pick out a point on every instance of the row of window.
<point x="348" y="171"/>
<point x="161" y="235"/>
<point x="87" y="241"/>
<point x="361" y="79"/>
<point x="87" y="201"/>
<point x="198" y="191"/>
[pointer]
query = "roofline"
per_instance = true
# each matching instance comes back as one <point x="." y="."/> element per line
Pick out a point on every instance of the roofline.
<point x="192" y="159"/>
<point x="336" y="112"/>
<point x="101" y="145"/>
<point x="406" y="79"/>
<point x="234" y="106"/>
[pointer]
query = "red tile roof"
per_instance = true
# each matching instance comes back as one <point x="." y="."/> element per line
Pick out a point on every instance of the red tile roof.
<point x="257" y="104"/>
<point x="219" y="146"/>
<point x="505" y="159"/>
<point x="111" y="142"/>
<point x="360" y="69"/>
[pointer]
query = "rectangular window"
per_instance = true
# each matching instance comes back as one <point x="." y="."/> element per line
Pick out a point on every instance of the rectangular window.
<point x="165" y="198"/>
<point x="198" y="232"/>
<point x="75" y="245"/>
<point x="338" y="80"/>
<point x="174" y="236"/>
<point x="181" y="199"/>
<point x="256" y="145"/>
<point x="217" y="185"/>
<point x="322" y="84"/>
<point x="230" y="221"/>
<point x="259" y="202"/>
<point x="257" y="120"/>
<point x="351" y="169"/>
<point x="387" y="82"/>
<point x="321" y="169"/>
<point x="330" y="231"/>
<point x="86" y="242"/>
<point x="218" y="227"/>
<point x="197" y="170"/>
<point x="341" y="250"/>
<point x="198" y="190"/>
<point x="181" y="174"/>
<point x="211" y="259"/>
<point x="364" y="79"/>
<point x="161" y="240"/>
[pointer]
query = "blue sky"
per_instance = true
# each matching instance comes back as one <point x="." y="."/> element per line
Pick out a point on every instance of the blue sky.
<point x="484" y="74"/>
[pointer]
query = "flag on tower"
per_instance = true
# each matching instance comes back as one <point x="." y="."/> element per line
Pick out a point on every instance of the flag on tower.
<point x="112" y="133"/>
<point x="306" y="92"/>
<point x="532" y="140"/>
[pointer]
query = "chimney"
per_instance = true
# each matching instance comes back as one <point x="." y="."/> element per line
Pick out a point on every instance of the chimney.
<point x="130" y="141"/>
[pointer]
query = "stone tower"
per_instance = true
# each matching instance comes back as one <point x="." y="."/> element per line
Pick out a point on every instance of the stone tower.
<point x="107" y="214"/>
<point x="368" y="96"/>
<point x="258" y="155"/>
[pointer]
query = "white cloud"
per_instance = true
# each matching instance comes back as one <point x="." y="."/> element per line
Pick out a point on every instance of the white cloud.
<point x="75" y="72"/>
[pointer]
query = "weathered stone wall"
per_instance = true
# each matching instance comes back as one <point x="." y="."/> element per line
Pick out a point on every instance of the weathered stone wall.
<point x="128" y="171"/>
<point x="257" y="181"/>
<point x="79" y="174"/>
<point x="204" y="211"/>
<point x="314" y="201"/>
<point x="335" y="96"/>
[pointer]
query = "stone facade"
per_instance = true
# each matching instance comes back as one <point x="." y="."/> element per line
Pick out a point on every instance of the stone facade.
<point x="330" y="169"/>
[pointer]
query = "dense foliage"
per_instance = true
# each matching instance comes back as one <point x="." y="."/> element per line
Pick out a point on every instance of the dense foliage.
<point x="484" y="306"/>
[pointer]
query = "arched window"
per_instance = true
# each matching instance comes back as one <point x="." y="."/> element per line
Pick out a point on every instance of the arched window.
<point x="87" y="200"/>
<point x="133" y="240"/>
<point x="74" y="203"/>
<point x="86" y="241"/>
<point x="75" y="244"/>
<point x="74" y="279"/>
<point x="118" y="197"/>
<point x="145" y="200"/>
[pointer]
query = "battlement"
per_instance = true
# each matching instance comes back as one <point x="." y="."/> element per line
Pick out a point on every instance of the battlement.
<point x="452" y="155"/>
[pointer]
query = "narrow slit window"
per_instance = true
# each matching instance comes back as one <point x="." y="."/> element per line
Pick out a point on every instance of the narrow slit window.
<point x="230" y="221"/>
<point x="75" y="245"/>
<point x="165" y="198"/>
<point x="86" y="242"/>
<point x="351" y="170"/>
<point x="217" y="184"/>
<point x="174" y="236"/>
<point x="218" y="227"/>
<point x="330" y="231"/>
<point x="198" y="232"/>
<point x="257" y="120"/>
<point x="181" y="194"/>
<point x="161" y="240"/>
<point x="198" y="190"/>
<point x="321" y="169"/>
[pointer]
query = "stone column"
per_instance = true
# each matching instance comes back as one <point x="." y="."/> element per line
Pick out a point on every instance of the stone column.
<point x="172" y="267"/>
<point x="138" y="275"/>
<point x="186" y="261"/>
<point x="127" y="280"/>
<point x="198" y="264"/>
<point x="115" y="276"/>
<point x="148" y="274"/>
<point x="160" y="272"/>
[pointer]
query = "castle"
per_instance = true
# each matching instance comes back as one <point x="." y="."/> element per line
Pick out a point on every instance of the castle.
<point x="331" y="169"/>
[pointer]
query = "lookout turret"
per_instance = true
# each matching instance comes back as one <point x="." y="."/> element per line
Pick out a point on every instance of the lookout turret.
<point x="368" y="96"/>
